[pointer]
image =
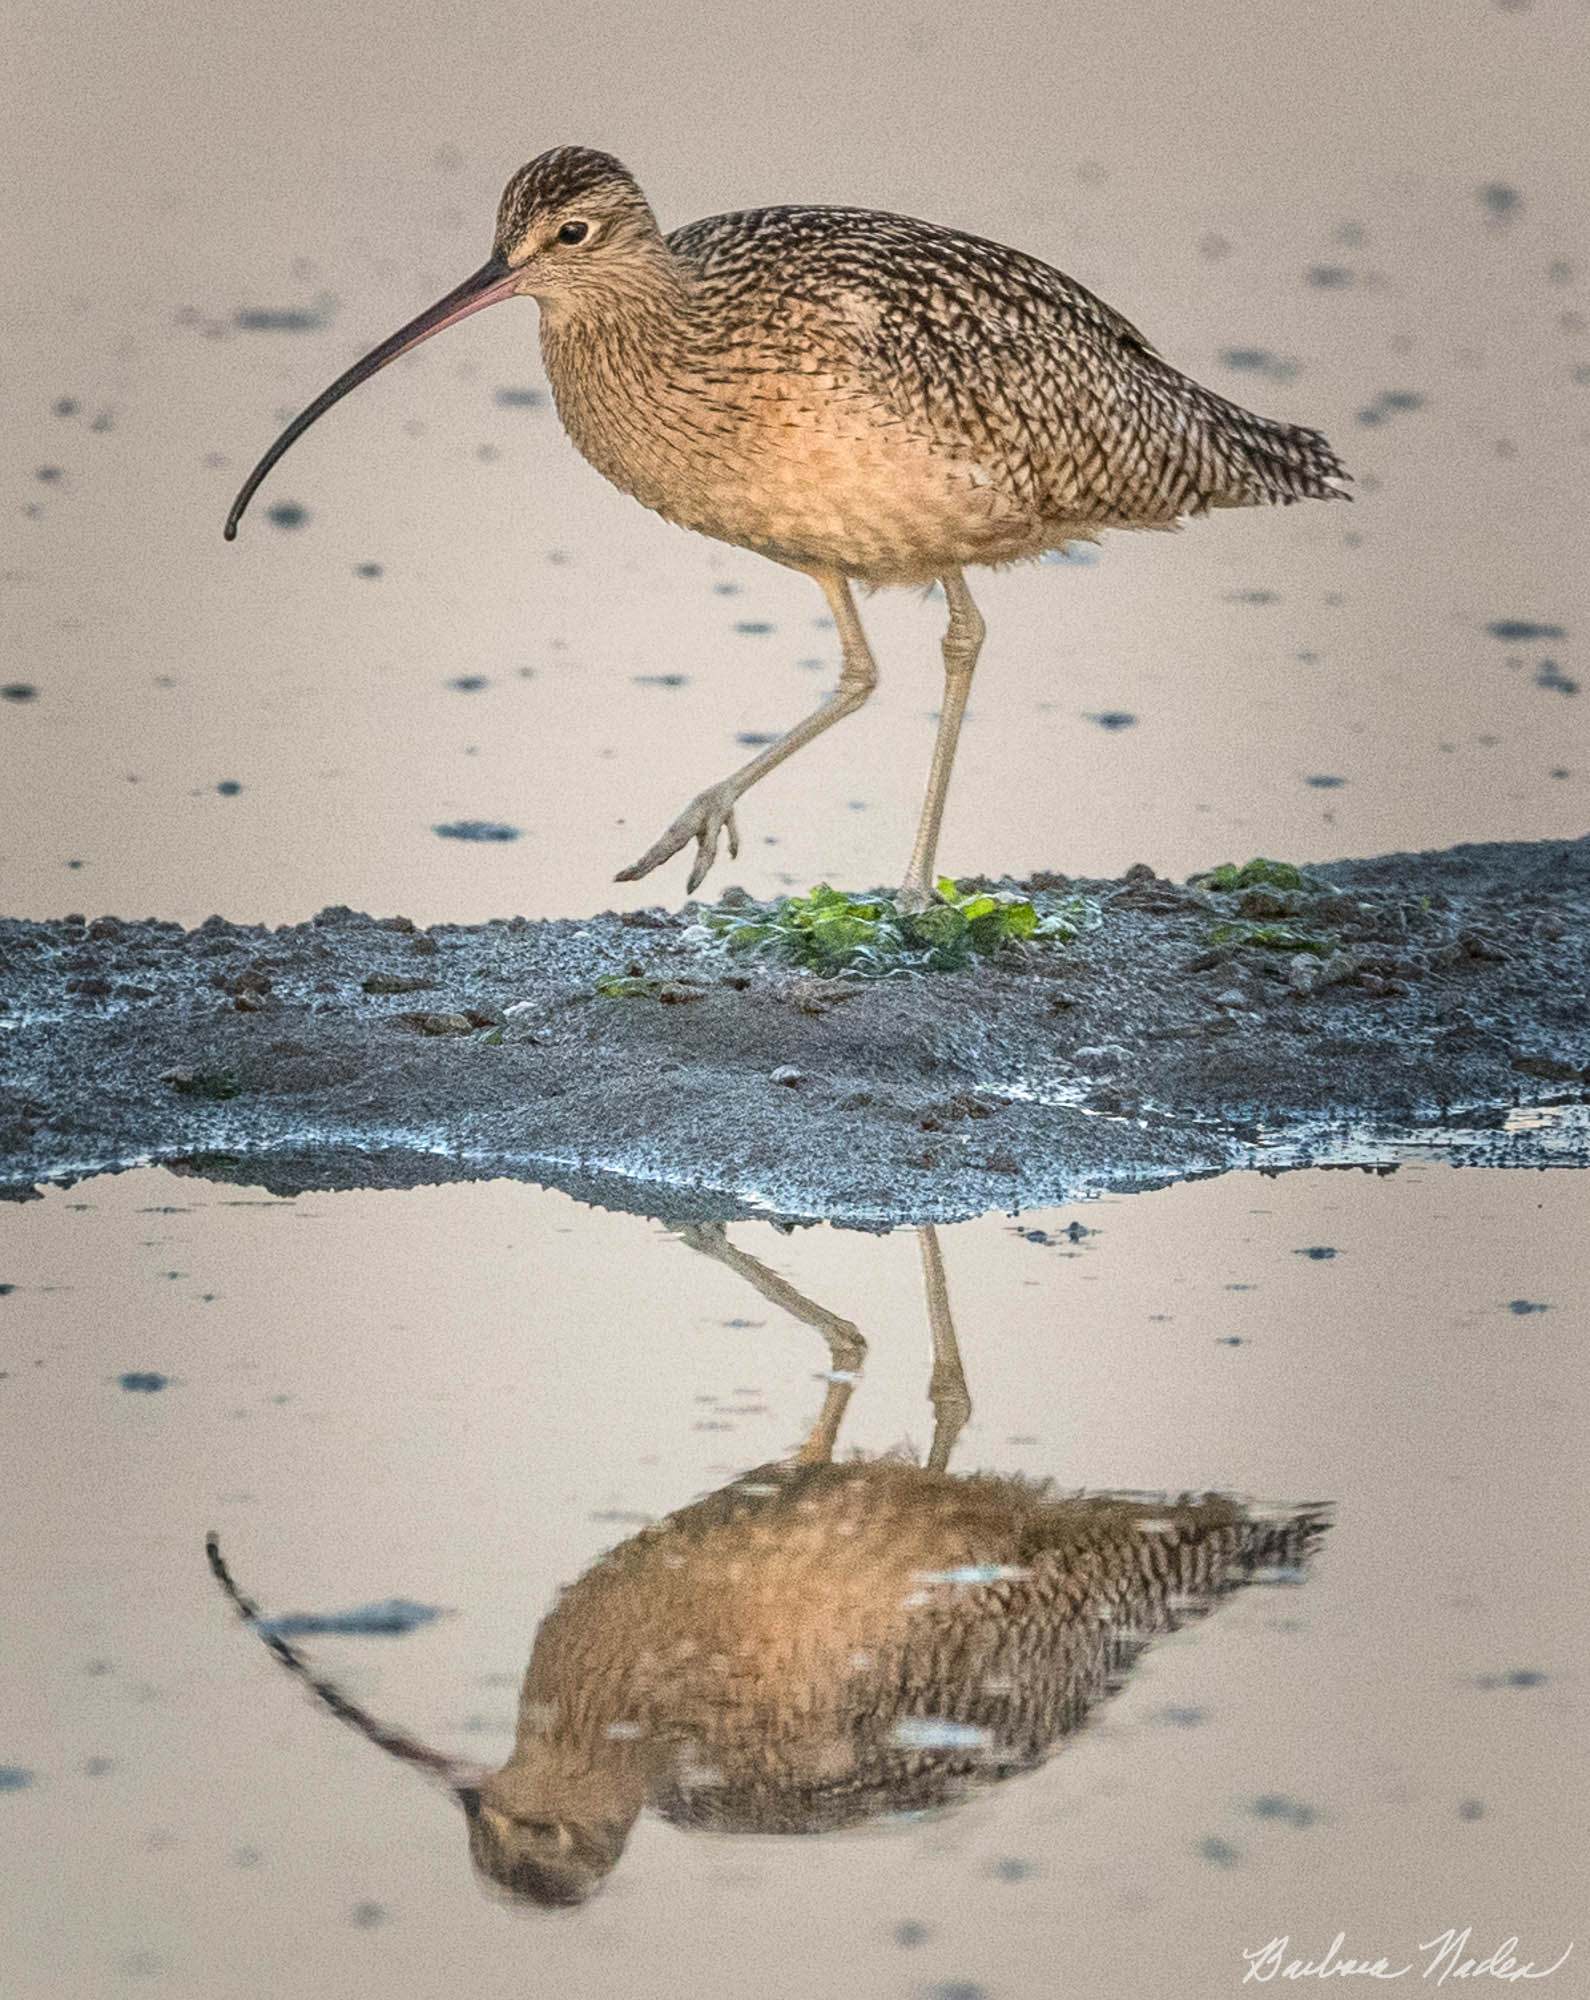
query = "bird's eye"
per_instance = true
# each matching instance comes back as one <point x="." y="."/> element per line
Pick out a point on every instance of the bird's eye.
<point x="574" y="232"/>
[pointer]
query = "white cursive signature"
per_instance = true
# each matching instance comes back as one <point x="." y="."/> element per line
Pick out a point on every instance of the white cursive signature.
<point x="1446" y="1957"/>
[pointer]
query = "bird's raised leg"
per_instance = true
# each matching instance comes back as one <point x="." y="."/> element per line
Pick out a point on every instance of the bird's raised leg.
<point x="963" y="641"/>
<point x="710" y="814"/>
<point x="947" y="1391"/>
<point x="846" y="1347"/>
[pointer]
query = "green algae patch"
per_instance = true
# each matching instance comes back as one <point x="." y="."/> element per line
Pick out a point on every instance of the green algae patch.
<point x="1259" y="873"/>
<point x="1271" y="937"/>
<point x="831" y="932"/>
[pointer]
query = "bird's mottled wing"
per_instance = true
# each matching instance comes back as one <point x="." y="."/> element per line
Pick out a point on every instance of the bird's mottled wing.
<point x="987" y="352"/>
<point x="998" y="368"/>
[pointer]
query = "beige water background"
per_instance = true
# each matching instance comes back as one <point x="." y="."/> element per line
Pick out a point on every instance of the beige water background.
<point x="475" y="1374"/>
<point x="449" y="1395"/>
<point x="168" y="168"/>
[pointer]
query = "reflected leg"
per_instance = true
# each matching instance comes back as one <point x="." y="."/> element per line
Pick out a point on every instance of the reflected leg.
<point x="947" y="1391"/>
<point x="846" y="1347"/>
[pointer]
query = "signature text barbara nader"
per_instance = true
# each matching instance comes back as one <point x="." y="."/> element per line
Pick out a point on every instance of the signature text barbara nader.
<point x="1452" y="1955"/>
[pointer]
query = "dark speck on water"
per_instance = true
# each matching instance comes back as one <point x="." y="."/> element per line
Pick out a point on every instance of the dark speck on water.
<point x="391" y="1618"/>
<point x="1320" y="1252"/>
<point x="282" y="319"/>
<point x="143" y="1381"/>
<point x="1219" y="1851"/>
<point x="1329" y="277"/>
<point x="660" y="680"/>
<point x="51" y="475"/>
<point x="18" y="691"/>
<point x="368" y="569"/>
<point x="287" y="514"/>
<point x="1515" y="1677"/>
<point x="14" y="1778"/>
<point x="1011" y="1868"/>
<point x="1324" y="781"/>
<point x="476" y="829"/>
<point x="1112" y="718"/>
<point x="1253" y="597"/>
<point x="468" y="683"/>
<point x="66" y="406"/>
<point x="1523" y="1306"/>
<point x="229" y="788"/>
<point x="754" y="739"/>
<point x="1471" y="1809"/>
<point x="910" y="1933"/>
<point x="1388" y="402"/>
<point x="520" y="399"/>
<point x="1499" y="201"/>
<point x="1258" y="361"/>
<point x="752" y="627"/>
<point x="1524" y="628"/>
<point x="367" y="1916"/>
<point x="1276" y="1805"/>
<point x="1549" y="675"/>
<point x="1180" y="1717"/>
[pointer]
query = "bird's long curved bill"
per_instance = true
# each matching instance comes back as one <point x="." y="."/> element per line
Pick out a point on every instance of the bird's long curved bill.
<point x="493" y="281"/>
<point x="462" y="1779"/>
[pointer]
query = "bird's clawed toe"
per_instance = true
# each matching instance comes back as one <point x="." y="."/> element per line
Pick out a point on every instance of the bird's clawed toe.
<point x="707" y="818"/>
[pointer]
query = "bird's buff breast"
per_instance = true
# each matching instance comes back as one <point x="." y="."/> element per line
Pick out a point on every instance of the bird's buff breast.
<point x="795" y="468"/>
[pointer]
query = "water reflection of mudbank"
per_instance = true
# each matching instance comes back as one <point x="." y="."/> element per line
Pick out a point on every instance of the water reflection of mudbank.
<point x="820" y="1644"/>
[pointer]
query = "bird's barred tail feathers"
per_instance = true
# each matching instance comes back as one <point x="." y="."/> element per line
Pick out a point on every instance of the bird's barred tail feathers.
<point x="1269" y="462"/>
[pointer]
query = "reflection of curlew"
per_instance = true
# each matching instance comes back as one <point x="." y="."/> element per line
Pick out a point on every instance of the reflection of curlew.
<point x="815" y="1645"/>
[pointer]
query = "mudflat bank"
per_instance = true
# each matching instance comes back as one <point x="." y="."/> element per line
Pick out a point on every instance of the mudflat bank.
<point x="1191" y="1027"/>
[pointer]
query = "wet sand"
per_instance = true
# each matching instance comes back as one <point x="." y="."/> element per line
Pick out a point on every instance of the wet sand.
<point x="1445" y="989"/>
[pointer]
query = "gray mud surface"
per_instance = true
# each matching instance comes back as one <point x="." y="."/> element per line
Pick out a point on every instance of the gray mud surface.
<point x="1445" y="991"/>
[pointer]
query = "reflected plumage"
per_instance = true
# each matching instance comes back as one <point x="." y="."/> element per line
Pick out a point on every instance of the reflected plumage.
<point x="860" y="396"/>
<point x="816" y="1644"/>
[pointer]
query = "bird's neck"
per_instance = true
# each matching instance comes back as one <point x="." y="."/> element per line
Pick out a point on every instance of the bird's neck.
<point x="612" y="359"/>
<point x="649" y="293"/>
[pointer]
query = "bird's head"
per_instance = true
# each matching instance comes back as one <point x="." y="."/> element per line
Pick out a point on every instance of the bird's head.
<point x="546" y="1831"/>
<point x="572" y="227"/>
<point x="574" y="224"/>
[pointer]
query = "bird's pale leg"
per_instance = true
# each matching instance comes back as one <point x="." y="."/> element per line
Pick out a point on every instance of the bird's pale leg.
<point x="963" y="641"/>
<point x="846" y="1347"/>
<point x="710" y="814"/>
<point x="947" y="1391"/>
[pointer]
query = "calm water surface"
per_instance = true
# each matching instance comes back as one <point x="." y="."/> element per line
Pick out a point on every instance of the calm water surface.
<point x="460" y="1397"/>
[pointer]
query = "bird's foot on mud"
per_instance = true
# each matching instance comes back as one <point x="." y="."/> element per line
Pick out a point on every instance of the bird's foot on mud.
<point x="912" y="897"/>
<point x="705" y="820"/>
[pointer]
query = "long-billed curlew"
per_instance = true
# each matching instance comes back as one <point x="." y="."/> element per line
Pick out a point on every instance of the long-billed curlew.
<point x="860" y="396"/>
<point x="815" y="1645"/>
